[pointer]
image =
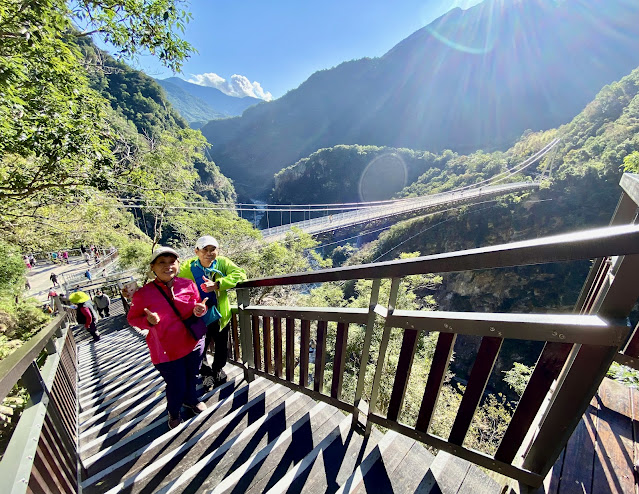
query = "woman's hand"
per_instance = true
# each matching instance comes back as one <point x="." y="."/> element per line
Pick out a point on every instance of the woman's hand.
<point x="152" y="317"/>
<point x="199" y="309"/>
<point x="209" y="286"/>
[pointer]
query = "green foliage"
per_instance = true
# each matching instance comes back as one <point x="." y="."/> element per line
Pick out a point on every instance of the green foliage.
<point x="138" y="26"/>
<point x="335" y="174"/>
<point x="12" y="268"/>
<point x="517" y="377"/>
<point x="631" y="162"/>
<point x="624" y="374"/>
<point x="19" y="318"/>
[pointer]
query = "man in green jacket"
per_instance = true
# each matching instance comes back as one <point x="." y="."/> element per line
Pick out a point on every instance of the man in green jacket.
<point x="214" y="275"/>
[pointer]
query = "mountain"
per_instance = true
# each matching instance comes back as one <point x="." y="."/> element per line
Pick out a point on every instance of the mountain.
<point x="191" y="108"/>
<point x="473" y="79"/>
<point x="201" y="103"/>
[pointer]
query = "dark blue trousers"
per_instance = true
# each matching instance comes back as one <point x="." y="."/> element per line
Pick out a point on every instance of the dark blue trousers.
<point x="180" y="377"/>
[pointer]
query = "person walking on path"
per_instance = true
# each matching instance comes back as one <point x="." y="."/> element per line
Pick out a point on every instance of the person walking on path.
<point x="54" y="279"/>
<point x="85" y="313"/>
<point x="102" y="302"/>
<point x="174" y="352"/>
<point x="87" y="274"/>
<point x="214" y="275"/>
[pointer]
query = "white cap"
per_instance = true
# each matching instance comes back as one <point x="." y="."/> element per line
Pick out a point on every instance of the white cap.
<point x="205" y="241"/>
<point x="160" y="251"/>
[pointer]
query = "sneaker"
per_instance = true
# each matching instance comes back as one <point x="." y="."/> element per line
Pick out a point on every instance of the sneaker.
<point x="174" y="422"/>
<point x="208" y="382"/>
<point x="199" y="407"/>
<point x="220" y="377"/>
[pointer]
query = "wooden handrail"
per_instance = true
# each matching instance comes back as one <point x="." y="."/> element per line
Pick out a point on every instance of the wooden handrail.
<point x="587" y="244"/>
<point x="578" y="347"/>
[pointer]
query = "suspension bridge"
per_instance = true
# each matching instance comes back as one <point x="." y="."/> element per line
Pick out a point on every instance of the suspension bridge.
<point x="324" y="218"/>
<point x="358" y="213"/>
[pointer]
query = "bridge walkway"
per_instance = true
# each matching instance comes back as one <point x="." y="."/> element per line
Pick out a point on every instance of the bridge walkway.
<point x="427" y="204"/>
<point x="257" y="437"/>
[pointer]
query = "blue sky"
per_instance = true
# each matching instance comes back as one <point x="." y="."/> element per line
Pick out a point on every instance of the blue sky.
<point x="273" y="46"/>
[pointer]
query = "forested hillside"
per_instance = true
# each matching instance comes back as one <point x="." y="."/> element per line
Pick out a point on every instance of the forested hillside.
<point x="474" y="79"/>
<point x="92" y="153"/>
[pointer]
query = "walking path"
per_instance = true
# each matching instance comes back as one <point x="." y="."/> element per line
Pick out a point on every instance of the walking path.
<point x="39" y="276"/>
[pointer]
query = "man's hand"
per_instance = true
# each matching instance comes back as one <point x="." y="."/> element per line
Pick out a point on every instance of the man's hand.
<point x="151" y="317"/>
<point x="209" y="286"/>
<point x="199" y="309"/>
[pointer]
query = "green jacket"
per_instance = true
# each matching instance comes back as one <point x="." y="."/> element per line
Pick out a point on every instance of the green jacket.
<point x="233" y="275"/>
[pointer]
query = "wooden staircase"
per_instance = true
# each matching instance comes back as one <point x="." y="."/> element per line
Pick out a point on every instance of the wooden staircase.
<point x="254" y="437"/>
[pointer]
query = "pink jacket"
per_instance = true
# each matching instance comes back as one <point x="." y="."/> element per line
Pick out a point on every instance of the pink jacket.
<point x="88" y="317"/>
<point x="169" y="339"/>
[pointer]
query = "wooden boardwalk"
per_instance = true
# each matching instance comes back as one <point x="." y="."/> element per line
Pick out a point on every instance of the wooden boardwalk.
<point x="254" y="437"/>
<point x="603" y="453"/>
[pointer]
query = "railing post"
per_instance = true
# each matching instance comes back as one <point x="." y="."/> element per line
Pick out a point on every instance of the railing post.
<point x="583" y="373"/>
<point x="363" y="365"/>
<point x="392" y="299"/>
<point x="243" y="300"/>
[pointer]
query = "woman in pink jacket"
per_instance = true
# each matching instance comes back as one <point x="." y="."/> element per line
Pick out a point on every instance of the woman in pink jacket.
<point x="174" y="352"/>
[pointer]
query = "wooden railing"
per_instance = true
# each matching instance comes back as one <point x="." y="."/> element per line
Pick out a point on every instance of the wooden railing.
<point x="578" y="348"/>
<point x="42" y="453"/>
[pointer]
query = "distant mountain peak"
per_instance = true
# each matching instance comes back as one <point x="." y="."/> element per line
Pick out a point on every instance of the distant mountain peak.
<point x="200" y="104"/>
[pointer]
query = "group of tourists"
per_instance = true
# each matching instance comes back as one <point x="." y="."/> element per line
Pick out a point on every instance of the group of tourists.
<point x="184" y="309"/>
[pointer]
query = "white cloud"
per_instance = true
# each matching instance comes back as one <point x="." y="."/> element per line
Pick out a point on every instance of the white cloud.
<point x="238" y="86"/>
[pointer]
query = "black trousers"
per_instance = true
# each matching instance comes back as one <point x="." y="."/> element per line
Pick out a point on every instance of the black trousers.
<point x="103" y="312"/>
<point x="220" y="337"/>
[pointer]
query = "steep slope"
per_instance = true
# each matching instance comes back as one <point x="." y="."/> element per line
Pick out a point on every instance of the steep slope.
<point x="472" y="79"/>
<point x="191" y="108"/>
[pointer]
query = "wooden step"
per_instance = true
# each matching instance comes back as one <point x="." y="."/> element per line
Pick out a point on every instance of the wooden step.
<point x="449" y="474"/>
<point x="254" y="437"/>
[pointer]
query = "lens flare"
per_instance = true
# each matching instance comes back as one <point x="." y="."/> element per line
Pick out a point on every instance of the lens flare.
<point x="383" y="176"/>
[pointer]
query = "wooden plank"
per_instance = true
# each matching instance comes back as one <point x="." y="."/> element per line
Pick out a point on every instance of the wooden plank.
<point x="413" y="471"/>
<point x="61" y="460"/>
<point x="550" y="484"/>
<point x="236" y="337"/>
<point x="576" y="475"/>
<point x="268" y="360"/>
<point x="549" y="365"/>
<point x="380" y="478"/>
<point x="283" y="416"/>
<point x="441" y="358"/>
<point x="613" y="468"/>
<point x="42" y="466"/>
<point x="67" y="458"/>
<point x="340" y="360"/>
<point x="406" y="355"/>
<point x="483" y="366"/>
<point x="320" y="357"/>
<point x="277" y="345"/>
<point x="290" y="349"/>
<point x="257" y="352"/>
<point x="570" y="402"/>
<point x="290" y="452"/>
<point x="305" y="339"/>
<point x="447" y="474"/>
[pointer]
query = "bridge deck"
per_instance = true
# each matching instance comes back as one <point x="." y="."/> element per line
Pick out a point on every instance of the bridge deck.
<point x="257" y="437"/>
<point x="603" y="451"/>
<point x="431" y="204"/>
